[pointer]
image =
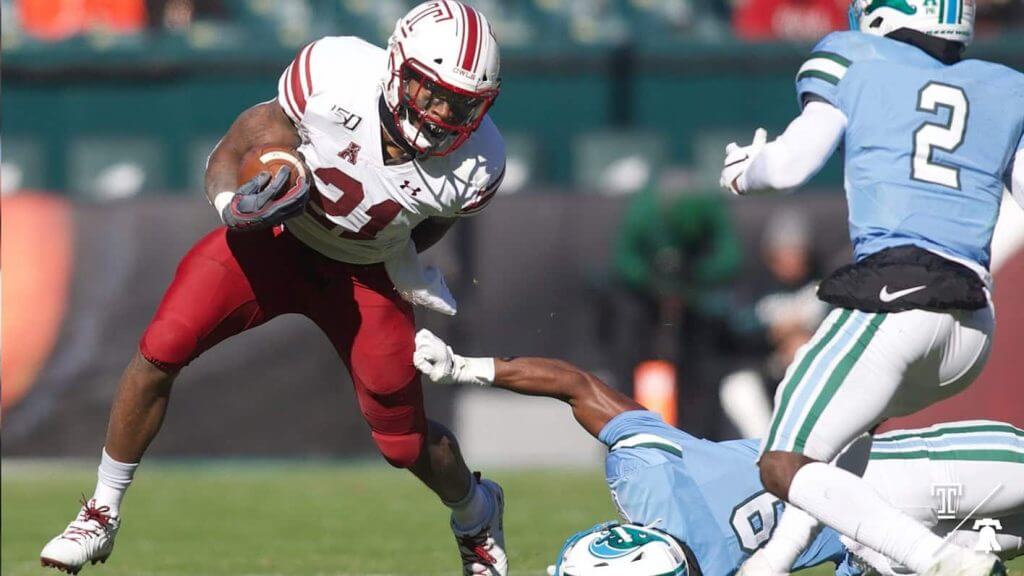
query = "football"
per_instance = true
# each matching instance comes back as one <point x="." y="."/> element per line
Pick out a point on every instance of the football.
<point x="271" y="159"/>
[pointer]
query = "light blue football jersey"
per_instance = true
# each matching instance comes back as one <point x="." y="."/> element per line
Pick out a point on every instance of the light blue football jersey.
<point x="928" y="146"/>
<point x="706" y="494"/>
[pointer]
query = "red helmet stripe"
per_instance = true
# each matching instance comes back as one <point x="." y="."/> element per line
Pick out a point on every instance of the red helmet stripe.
<point x="462" y="32"/>
<point x="472" y="39"/>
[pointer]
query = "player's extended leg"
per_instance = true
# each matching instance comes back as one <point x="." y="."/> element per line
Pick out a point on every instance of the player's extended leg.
<point x="951" y="475"/>
<point x="227" y="283"/>
<point x="970" y="466"/>
<point x="842" y="383"/>
<point x="375" y="334"/>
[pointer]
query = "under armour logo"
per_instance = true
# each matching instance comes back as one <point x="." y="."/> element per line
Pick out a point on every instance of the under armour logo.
<point x="408" y="186"/>
<point x="351" y="153"/>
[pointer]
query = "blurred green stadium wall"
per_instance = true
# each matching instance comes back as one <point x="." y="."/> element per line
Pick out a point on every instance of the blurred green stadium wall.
<point x="163" y="105"/>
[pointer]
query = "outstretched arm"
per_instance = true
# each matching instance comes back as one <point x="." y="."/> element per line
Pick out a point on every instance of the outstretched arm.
<point x="593" y="402"/>
<point x="790" y="160"/>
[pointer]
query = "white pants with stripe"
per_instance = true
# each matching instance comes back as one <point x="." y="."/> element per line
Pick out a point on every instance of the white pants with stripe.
<point x="861" y="368"/>
<point x="944" y="474"/>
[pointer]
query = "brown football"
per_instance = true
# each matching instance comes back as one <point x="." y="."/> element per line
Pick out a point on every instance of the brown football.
<point x="271" y="159"/>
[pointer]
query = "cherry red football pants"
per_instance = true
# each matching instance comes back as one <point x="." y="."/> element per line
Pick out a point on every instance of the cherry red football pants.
<point x="230" y="282"/>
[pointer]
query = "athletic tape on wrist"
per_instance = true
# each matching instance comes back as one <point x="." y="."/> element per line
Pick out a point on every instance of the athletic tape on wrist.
<point x="481" y="370"/>
<point x="221" y="200"/>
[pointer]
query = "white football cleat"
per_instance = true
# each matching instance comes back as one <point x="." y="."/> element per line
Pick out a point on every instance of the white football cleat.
<point x="483" y="551"/>
<point x="958" y="561"/>
<point x="90" y="538"/>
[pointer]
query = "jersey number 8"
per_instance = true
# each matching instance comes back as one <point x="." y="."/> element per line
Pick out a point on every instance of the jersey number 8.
<point x="754" y="520"/>
<point x="946" y="137"/>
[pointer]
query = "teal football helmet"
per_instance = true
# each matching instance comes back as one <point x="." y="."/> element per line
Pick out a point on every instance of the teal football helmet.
<point x="946" y="19"/>
<point x="614" y="549"/>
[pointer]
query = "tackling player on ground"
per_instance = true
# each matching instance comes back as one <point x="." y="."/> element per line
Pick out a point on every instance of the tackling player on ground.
<point x="695" y="507"/>
<point x="399" y="146"/>
<point x="930" y="141"/>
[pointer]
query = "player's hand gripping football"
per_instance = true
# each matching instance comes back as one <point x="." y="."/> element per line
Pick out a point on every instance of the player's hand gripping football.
<point x="264" y="202"/>
<point x="441" y="365"/>
<point x="737" y="161"/>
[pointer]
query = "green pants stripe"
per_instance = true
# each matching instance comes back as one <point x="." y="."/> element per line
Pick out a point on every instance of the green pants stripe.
<point x="983" y="455"/>
<point x="791" y="384"/>
<point x="953" y="429"/>
<point x="835" y="380"/>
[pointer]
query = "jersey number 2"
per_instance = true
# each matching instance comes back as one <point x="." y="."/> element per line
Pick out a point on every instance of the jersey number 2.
<point x="946" y="137"/>
<point x="352" y="194"/>
<point x="754" y="519"/>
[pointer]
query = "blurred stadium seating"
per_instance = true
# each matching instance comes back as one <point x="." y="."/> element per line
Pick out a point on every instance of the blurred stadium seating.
<point x="121" y="97"/>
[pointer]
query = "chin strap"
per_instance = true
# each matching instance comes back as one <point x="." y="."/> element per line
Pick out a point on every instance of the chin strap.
<point x="387" y="121"/>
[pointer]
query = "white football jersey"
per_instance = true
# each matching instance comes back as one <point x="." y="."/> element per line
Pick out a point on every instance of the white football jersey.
<point x="362" y="211"/>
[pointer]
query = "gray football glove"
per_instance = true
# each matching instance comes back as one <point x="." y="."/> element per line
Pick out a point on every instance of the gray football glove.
<point x="257" y="205"/>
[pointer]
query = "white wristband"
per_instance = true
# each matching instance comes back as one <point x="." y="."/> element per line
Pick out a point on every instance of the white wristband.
<point x="474" y="370"/>
<point x="221" y="200"/>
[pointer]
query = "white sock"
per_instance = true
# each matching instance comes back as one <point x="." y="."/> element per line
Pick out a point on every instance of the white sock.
<point x="852" y="507"/>
<point x="794" y="533"/>
<point x="113" y="479"/>
<point x="474" y="509"/>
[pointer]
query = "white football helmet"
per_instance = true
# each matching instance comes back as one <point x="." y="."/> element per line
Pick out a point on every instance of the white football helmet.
<point x="448" y="49"/>
<point x="614" y="549"/>
<point x="946" y="19"/>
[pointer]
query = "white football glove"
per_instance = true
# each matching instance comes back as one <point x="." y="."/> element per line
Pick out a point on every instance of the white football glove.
<point x="441" y="365"/>
<point x="738" y="159"/>
<point x="420" y="285"/>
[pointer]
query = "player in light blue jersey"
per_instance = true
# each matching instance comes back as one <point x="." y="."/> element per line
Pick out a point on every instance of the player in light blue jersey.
<point x="695" y="507"/>
<point x="931" y="142"/>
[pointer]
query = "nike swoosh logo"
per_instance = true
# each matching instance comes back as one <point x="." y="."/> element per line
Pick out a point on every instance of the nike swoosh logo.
<point x="885" y="296"/>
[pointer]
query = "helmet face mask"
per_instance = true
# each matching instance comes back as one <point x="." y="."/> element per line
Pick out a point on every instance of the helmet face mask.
<point x="613" y="549"/>
<point x="951" y="20"/>
<point x="436" y="117"/>
<point x="443" y="75"/>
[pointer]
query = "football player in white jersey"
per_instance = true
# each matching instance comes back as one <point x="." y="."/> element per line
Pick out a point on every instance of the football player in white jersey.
<point x="398" y="146"/>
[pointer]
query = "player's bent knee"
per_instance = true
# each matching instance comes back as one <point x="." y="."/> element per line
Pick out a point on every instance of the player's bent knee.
<point x="386" y="378"/>
<point x="400" y="450"/>
<point x="778" y="469"/>
<point x="168" y="344"/>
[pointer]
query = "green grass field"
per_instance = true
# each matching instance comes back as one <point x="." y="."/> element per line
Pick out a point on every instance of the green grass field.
<point x="294" y="519"/>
